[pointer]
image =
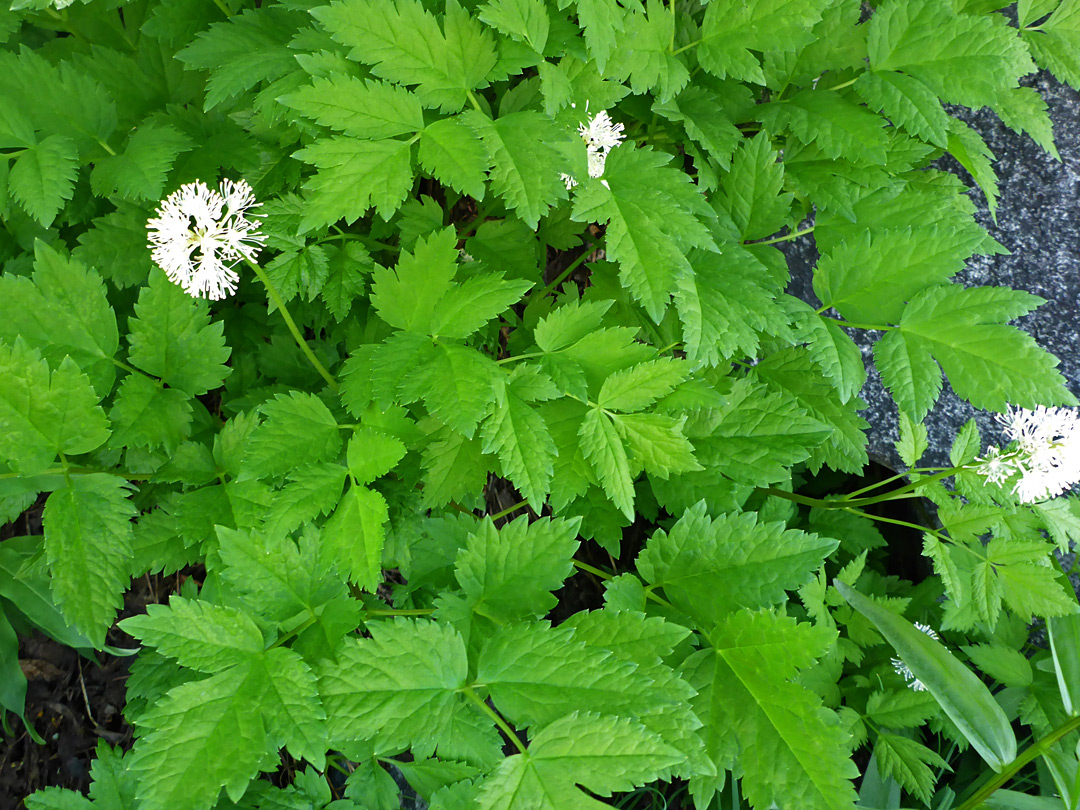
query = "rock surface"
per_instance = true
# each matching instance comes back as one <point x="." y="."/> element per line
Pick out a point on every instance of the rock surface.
<point x="1038" y="220"/>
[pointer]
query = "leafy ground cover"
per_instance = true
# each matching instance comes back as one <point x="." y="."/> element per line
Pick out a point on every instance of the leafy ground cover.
<point x="444" y="351"/>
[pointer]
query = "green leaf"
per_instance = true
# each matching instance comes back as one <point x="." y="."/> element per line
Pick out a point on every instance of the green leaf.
<point x="1003" y="664"/>
<point x="372" y="454"/>
<point x="600" y="753"/>
<point x="313" y="490"/>
<point x="43" y="413"/>
<point x="901" y="709"/>
<point x="354" y="536"/>
<point x="353" y="176"/>
<point x="508" y="574"/>
<point x="42" y="177"/>
<point x="524" y="20"/>
<point x="870" y="279"/>
<point x="455" y="470"/>
<point x="965" y="698"/>
<point x="299" y="429"/>
<point x="913" y="440"/>
<point x="403" y="43"/>
<point x="838" y="127"/>
<point x="654" y="215"/>
<point x="248" y="48"/>
<point x="759" y="434"/>
<point x="732" y="29"/>
<point x="55" y="798"/>
<point x="643" y="56"/>
<point x="62" y="312"/>
<point x="971" y="151"/>
<point x="710" y="567"/>
<point x="1064" y="633"/>
<point x="362" y="108"/>
<point x="88" y="545"/>
<point x="196" y="717"/>
<point x="452" y="152"/>
<point x="139" y="172"/>
<point x="408" y="296"/>
<point x="13" y="683"/>
<point x="963" y="58"/>
<point x="762" y="721"/>
<point x="398" y="688"/>
<point x="909" y="763"/>
<point x="701" y="112"/>
<point x="537" y="674"/>
<point x="525" y="164"/>
<point x="988" y="363"/>
<point x="518" y="434"/>
<point x="907" y="102"/>
<point x="172" y="337"/>
<point x="199" y="635"/>
<point x="834" y="352"/>
<point x="470" y="304"/>
<point x="910" y="373"/>
<point x="751" y="191"/>
<point x="656" y="442"/>
<point x="637" y="387"/>
<point x="1022" y="109"/>
<point x="455" y="382"/>
<point x="724" y="305"/>
<point x="604" y="450"/>
<point x="144" y="414"/>
<point x="569" y="323"/>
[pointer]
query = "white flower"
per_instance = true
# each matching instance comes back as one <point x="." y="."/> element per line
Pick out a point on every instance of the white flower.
<point x="199" y="234"/>
<point x="601" y="135"/>
<point x="901" y="669"/>
<point x="1045" y="455"/>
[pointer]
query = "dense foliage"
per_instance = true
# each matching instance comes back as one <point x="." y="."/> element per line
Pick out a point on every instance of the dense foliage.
<point x="525" y="244"/>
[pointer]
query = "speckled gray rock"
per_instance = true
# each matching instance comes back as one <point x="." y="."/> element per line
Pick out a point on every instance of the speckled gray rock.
<point x="1038" y="220"/>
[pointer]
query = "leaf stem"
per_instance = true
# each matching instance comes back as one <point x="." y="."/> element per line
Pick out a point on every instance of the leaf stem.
<point x="494" y="715"/>
<point x="276" y="298"/>
<point x="406" y="612"/>
<point x="224" y="8"/>
<point x="1036" y="749"/>
<point x="842" y="85"/>
<point x="475" y="102"/>
<point x="844" y="502"/>
<point x="508" y="510"/>
<point x="785" y="238"/>
<point x="592" y="569"/>
<point x="525" y="356"/>
<point x="877" y="326"/>
<point x="573" y="266"/>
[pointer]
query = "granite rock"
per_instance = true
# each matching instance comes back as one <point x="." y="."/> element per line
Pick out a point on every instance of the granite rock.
<point x="1038" y="221"/>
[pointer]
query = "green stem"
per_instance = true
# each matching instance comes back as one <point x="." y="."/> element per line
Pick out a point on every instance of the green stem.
<point x="882" y="519"/>
<point x="494" y="715"/>
<point x="592" y="569"/>
<point x="133" y="370"/>
<point x="892" y="478"/>
<point x="76" y="471"/>
<point x="508" y="510"/>
<point x="877" y="326"/>
<point x="407" y="612"/>
<point x="224" y="8"/>
<point x="573" y="266"/>
<point x="106" y="147"/>
<point x="310" y="620"/>
<point x="475" y="102"/>
<point x="844" y="502"/>
<point x="276" y="298"/>
<point x="693" y="44"/>
<point x="525" y="356"/>
<point x="785" y="238"/>
<point x="842" y="85"/>
<point x="1036" y="749"/>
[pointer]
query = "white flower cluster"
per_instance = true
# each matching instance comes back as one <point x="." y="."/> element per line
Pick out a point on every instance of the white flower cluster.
<point x="901" y="669"/>
<point x="601" y="135"/>
<point x="199" y="234"/>
<point x="1046" y="456"/>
